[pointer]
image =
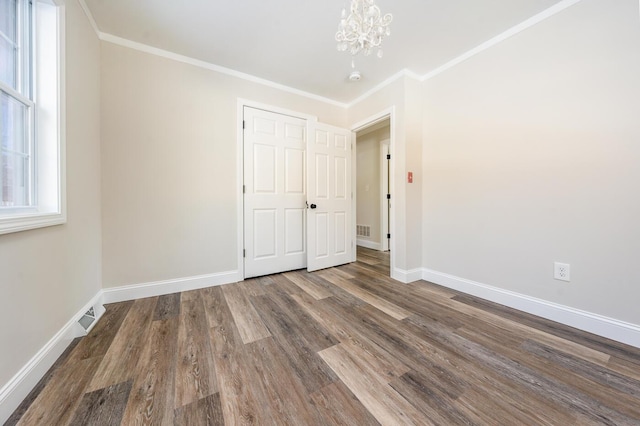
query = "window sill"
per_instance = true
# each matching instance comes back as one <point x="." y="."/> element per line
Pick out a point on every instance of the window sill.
<point x="30" y="221"/>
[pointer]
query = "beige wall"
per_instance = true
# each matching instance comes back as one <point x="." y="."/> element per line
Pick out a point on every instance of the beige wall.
<point x="413" y="151"/>
<point x="49" y="274"/>
<point x="368" y="180"/>
<point x="531" y="155"/>
<point x="169" y="161"/>
<point x="404" y="96"/>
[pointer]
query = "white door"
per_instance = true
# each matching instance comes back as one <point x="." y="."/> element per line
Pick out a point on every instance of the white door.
<point x="275" y="193"/>
<point x="329" y="224"/>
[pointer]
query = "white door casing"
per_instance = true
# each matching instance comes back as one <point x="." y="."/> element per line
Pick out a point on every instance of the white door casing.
<point x="385" y="203"/>
<point x="274" y="192"/>
<point x="329" y="224"/>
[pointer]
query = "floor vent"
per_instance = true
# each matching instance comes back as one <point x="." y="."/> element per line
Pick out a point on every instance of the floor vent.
<point x="88" y="319"/>
<point x="363" y="230"/>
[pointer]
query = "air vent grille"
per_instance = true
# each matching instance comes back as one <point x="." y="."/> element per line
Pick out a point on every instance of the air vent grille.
<point x="88" y="318"/>
<point x="363" y="230"/>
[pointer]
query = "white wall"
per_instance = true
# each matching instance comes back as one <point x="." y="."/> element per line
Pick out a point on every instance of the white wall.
<point x="49" y="274"/>
<point x="531" y="155"/>
<point x="169" y="161"/>
<point x="368" y="189"/>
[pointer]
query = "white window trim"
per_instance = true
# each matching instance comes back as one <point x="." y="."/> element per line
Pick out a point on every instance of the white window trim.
<point x="31" y="218"/>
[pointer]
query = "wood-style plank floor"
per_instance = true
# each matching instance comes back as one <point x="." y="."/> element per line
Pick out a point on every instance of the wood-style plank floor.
<point x="342" y="346"/>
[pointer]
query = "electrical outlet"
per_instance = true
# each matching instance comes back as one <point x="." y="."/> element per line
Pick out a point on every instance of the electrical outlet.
<point x="562" y="271"/>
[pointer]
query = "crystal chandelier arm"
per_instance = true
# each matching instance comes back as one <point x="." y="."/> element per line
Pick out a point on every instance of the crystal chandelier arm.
<point x="364" y="28"/>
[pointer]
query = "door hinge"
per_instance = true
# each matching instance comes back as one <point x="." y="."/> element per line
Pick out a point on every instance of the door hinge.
<point x="244" y="189"/>
<point x="244" y="253"/>
<point x="388" y="236"/>
<point x="388" y="156"/>
<point x="243" y="124"/>
<point x="388" y="196"/>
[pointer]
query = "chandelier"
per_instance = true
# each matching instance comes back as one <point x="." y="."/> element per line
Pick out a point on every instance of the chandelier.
<point x="364" y="28"/>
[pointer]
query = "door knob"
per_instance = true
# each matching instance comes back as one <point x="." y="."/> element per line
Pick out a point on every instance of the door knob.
<point x="313" y="206"/>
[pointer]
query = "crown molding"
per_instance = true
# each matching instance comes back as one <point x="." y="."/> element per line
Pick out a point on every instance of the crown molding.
<point x="402" y="73"/>
<point x="547" y="13"/>
<point x="89" y="16"/>
<point x="213" y="67"/>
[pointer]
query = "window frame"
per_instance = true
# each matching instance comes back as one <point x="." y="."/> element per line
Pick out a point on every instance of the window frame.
<point x="30" y="124"/>
<point x="46" y="137"/>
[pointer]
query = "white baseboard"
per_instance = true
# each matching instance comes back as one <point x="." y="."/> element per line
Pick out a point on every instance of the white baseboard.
<point x="406" y="276"/>
<point x="597" y="324"/>
<point x="159" y="288"/>
<point x="368" y="244"/>
<point x="16" y="390"/>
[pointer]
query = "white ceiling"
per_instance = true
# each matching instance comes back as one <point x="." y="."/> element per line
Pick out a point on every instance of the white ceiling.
<point x="291" y="42"/>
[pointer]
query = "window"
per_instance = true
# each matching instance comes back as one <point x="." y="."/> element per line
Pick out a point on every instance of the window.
<point x="31" y="137"/>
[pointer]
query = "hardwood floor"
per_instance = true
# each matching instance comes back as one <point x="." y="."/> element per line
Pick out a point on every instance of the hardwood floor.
<point x="343" y="346"/>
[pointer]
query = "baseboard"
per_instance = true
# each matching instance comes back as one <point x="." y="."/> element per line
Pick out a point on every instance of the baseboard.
<point x="368" y="244"/>
<point x="159" y="288"/>
<point x="16" y="390"/>
<point x="406" y="276"/>
<point x="593" y="323"/>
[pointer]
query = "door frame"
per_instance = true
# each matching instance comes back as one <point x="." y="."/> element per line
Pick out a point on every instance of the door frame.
<point x="390" y="114"/>
<point x="240" y="164"/>
<point x="385" y="189"/>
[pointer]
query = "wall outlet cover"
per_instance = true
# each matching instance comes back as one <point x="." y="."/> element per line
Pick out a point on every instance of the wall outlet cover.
<point x="562" y="271"/>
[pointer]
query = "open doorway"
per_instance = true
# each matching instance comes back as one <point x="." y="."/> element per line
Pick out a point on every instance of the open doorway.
<point x="373" y="195"/>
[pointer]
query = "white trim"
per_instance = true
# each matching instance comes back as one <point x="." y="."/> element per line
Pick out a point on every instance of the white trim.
<point x="270" y="108"/>
<point x="368" y="244"/>
<point x="159" y="288"/>
<point x="354" y="196"/>
<point x="240" y="186"/>
<point x="406" y="276"/>
<point x="212" y="67"/>
<point x="558" y="7"/>
<point x="42" y="215"/>
<point x="547" y="13"/>
<point x="62" y="112"/>
<point x="89" y="16"/>
<point x="384" y="190"/>
<point x="402" y="73"/>
<point x="23" y="223"/>
<point x="16" y="390"/>
<point x="390" y="114"/>
<point x="374" y="119"/>
<point x="597" y="324"/>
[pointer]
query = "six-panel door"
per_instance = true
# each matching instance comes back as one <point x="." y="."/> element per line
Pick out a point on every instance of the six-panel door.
<point x="329" y="186"/>
<point x="275" y="193"/>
